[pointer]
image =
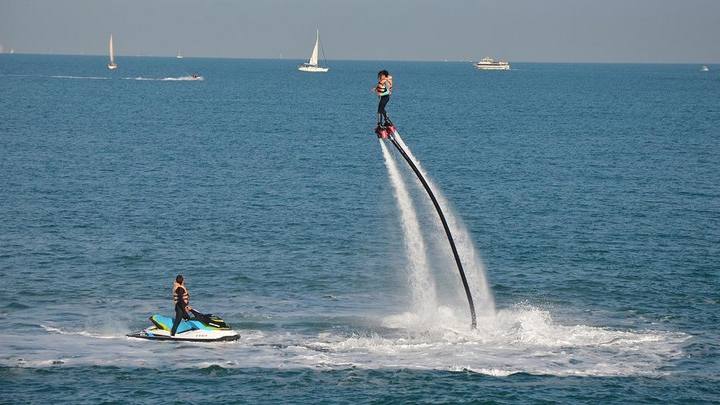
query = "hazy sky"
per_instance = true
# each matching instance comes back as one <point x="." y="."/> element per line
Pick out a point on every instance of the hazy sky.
<point x="519" y="30"/>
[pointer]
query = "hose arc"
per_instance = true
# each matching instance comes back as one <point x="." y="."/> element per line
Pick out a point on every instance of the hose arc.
<point x="445" y="225"/>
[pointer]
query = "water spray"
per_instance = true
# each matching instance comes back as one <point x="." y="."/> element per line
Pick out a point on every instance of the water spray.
<point x="421" y="281"/>
<point x="475" y="269"/>
<point x="389" y="133"/>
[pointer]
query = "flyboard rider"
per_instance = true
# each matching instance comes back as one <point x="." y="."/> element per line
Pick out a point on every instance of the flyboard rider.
<point x="383" y="89"/>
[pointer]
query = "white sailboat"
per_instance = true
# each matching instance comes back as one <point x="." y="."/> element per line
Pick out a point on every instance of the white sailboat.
<point x="179" y="55"/>
<point x="704" y="68"/>
<point x="312" y="64"/>
<point x="111" y="65"/>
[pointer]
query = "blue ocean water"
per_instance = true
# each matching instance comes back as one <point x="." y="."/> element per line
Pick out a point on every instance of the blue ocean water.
<point x="591" y="191"/>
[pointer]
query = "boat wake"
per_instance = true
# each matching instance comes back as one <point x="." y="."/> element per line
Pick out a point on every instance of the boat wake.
<point x="141" y="78"/>
<point x="167" y="79"/>
<point x="521" y="339"/>
<point x="57" y="76"/>
<point x="80" y="77"/>
<point x="59" y="331"/>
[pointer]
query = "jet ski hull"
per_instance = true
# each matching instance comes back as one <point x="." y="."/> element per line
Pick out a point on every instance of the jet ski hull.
<point x="202" y="328"/>
<point x="189" y="336"/>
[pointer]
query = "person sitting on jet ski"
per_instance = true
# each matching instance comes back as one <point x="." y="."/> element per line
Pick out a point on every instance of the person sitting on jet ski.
<point x="383" y="89"/>
<point x="181" y="299"/>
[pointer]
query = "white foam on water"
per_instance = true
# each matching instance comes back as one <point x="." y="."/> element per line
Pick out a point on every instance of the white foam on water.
<point x="521" y="339"/>
<point x="180" y="78"/>
<point x="59" y="76"/>
<point x="469" y="256"/>
<point x="80" y="77"/>
<point x="421" y="283"/>
<point x="59" y="331"/>
<point x="183" y="78"/>
<point x="141" y="78"/>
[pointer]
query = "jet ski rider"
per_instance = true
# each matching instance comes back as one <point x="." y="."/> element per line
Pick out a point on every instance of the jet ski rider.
<point x="181" y="299"/>
<point x="383" y="89"/>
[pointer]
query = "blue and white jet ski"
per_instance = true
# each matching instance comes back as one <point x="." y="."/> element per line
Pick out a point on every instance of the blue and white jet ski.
<point x="201" y="328"/>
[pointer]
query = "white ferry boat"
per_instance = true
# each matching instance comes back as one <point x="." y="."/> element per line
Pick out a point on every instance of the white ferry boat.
<point x="492" y="64"/>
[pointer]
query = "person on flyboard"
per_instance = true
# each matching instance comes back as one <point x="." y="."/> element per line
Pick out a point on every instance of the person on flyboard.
<point x="383" y="89"/>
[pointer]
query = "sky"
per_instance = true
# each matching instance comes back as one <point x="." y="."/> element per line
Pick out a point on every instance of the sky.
<point x="517" y="30"/>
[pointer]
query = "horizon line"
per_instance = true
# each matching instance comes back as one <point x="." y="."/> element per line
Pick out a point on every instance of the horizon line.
<point x="365" y="60"/>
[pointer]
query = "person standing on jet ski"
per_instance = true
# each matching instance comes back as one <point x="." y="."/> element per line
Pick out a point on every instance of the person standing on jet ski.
<point x="181" y="299"/>
<point x="383" y="89"/>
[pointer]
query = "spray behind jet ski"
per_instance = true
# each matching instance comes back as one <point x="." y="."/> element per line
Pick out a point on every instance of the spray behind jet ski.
<point x="389" y="131"/>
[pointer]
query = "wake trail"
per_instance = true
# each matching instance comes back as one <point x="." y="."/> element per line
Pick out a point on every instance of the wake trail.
<point x="167" y="79"/>
<point x="421" y="283"/>
<point x="79" y="77"/>
<point x="524" y="339"/>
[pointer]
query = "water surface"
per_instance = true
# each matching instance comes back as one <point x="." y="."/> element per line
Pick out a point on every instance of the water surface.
<point x="592" y="193"/>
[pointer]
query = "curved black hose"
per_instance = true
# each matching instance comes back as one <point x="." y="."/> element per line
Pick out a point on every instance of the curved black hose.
<point x="445" y="226"/>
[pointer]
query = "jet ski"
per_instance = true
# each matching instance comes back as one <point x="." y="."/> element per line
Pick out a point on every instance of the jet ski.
<point x="200" y="328"/>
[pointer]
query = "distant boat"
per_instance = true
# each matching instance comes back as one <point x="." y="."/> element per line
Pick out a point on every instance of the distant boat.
<point x="704" y="69"/>
<point x="492" y="64"/>
<point x="312" y="64"/>
<point x="179" y="56"/>
<point x="111" y="65"/>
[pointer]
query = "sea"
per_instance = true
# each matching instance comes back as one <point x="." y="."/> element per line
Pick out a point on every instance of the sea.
<point x="585" y="200"/>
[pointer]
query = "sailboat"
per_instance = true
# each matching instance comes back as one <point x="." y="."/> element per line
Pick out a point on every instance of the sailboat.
<point x="312" y="64"/>
<point x="704" y="68"/>
<point x="111" y="65"/>
<point x="179" y="55"/>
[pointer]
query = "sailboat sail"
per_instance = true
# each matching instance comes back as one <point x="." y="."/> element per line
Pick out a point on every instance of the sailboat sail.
<point x="112" y="53"/>
<point x="314" y="56"/>
<point x="312" y="64"/>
